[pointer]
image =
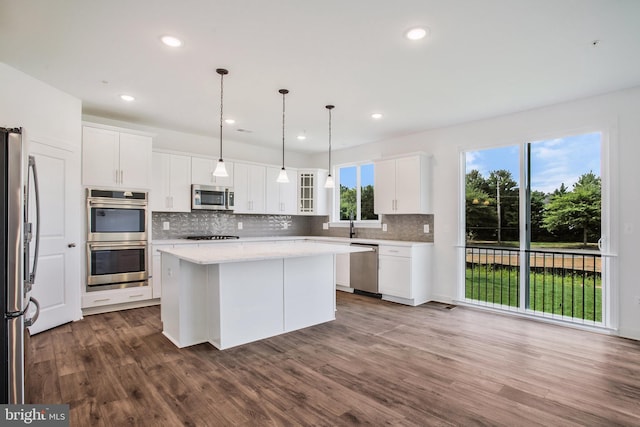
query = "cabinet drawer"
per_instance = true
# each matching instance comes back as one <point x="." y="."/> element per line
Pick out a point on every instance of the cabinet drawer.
<point x="403" y="251"/>
<point x="116" y="296"/>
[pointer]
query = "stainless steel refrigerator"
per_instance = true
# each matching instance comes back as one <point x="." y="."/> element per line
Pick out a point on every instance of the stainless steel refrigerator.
<point x="20" y="240"/>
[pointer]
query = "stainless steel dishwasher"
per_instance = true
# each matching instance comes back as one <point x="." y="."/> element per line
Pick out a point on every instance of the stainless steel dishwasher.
<point x="364" y="269"/>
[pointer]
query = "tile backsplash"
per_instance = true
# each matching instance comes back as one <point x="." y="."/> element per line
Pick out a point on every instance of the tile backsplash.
<point x="183" y="224"/>
<point x="399" y="227"/>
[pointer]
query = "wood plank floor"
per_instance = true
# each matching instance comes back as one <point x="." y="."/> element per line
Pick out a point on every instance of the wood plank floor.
<point x="379" y="363"/>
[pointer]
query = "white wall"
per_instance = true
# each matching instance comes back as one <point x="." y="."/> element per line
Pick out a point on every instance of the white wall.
<point x="167" y="139"/>
<point x="617" y="114"/>
<point x="39" y="108"/>
<point x="52" y="119"/>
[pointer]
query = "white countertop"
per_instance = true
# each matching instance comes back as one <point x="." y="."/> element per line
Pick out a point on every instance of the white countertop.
<point x="291" y="238"/>
<point x="237" y="252"/>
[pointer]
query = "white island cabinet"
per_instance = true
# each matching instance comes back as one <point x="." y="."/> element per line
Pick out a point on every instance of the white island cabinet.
<point x="404" y="273"/>
<point x="233" y="294"/>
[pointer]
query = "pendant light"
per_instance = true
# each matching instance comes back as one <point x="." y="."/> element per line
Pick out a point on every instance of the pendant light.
<point x="329" y="183"/>
<point x="221" y="169"/>
<point x="282" y="177"/>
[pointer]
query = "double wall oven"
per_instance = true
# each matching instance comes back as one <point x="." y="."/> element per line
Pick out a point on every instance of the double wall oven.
<point x="117" y="231"/>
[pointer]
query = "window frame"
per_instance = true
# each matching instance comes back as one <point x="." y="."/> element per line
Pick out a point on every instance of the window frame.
<point x="335" y="213"/>
<point x="609" y="187"/>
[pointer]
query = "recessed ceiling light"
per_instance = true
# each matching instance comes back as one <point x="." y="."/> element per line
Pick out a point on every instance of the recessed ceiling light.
<point x="302" y="137"/>
<point x="417" y="33"/>
<point x="229" y="121"/>
<point x="127" y="98"/>
<point x="376" y="116"/>
<point x="171" y="41"/>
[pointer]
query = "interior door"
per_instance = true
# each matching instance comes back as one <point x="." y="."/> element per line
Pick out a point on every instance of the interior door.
<point x="57" y="284"/>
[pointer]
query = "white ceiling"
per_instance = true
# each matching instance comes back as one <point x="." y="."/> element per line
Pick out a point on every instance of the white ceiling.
<point x="483" y="58"/>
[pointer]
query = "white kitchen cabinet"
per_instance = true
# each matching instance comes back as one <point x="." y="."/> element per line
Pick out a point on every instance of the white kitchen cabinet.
<point x="202" y="169"/>
<point x="343" y="270"/>
<point x="404" y="273"/>
<point x="171" y="189"/>
<point x="116" y="297"/>
<point x="281" y="198"/>
<point x="111" y="158"/>
<point x="313" y="198"/>
<point x="249" y="187"/>
<point x="403" y="185"/>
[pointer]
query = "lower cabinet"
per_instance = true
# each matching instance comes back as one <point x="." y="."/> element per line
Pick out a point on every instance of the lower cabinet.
<point x="116" y="296"/>
<point x="404" y="273"/>
<point x="343" y="270"/>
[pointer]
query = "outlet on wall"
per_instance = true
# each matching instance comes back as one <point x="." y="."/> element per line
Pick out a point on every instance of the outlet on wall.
<point x="384" y="227"/>
<point x="325" y="225"/>
<point x="166" y="225"/>
<point x="285" y="225"/>
<point x="426" y="228"/>
<point x="239" y="226"/>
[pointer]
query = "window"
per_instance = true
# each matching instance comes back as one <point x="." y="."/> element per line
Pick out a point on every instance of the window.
<point x="355" y="192"/>
<point x="533" y="227"/>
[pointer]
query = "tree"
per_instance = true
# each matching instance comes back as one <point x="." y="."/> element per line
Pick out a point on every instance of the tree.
<point x="578" y="210"/>
<point x="538" y="200"/>
<point x="507" y="207"/>
<point x="366" y="203"/>
<point x="348" y="202"/>
<point x="479" y="213"/>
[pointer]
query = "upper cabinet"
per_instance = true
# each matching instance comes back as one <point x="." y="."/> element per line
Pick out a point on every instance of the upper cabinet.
<point x="111" y="158"/>
<point x="171" y="190"/>
<point x="313" y="198"/>
<point x="202" y="169"/>
<point x="281" y="198"/>
<point x="249" y="188"/>
<point x="403" y="185"/>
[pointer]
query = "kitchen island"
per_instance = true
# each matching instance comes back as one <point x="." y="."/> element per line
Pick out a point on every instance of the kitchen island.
<point x="234" y="293"/>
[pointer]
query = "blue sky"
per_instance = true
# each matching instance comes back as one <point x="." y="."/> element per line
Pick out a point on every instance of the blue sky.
<point x="348" y="176"/>
<point x="553" y="162"/>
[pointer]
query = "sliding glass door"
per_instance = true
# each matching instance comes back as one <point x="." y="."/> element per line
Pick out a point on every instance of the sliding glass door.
<point x="533" y="225"/>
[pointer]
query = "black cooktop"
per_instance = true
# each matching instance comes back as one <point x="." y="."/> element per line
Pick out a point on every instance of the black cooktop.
<point x="212" y="237"/>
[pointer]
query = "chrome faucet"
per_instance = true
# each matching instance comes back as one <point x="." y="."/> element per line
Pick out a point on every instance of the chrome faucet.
<point x="352" y="229"/>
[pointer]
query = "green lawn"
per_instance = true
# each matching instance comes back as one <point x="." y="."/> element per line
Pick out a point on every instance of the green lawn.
<point x="550" y="293"/>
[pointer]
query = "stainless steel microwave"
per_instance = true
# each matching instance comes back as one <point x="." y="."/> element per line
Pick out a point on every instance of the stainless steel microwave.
<point x="208" y="197"/>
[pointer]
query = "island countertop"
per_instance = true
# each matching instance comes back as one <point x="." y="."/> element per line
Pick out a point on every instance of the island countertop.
<point x="233" y="252"/>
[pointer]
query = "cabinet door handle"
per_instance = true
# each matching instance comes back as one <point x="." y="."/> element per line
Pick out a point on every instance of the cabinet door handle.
<point x="117" y="176"/>
<point x="121" y="176"/>
<point x="136" y="296"/>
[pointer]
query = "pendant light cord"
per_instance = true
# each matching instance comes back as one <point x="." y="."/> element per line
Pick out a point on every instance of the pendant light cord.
<point x="329" y="107"/>
<point x="222" y="72"/>
<point x="329" y="141"/>
<point x="283" y="92"/>
<point x="221" y="103"/>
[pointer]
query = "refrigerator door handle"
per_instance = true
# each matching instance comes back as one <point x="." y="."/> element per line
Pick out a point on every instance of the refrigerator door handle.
<point x="30" y="321"/>
<point x="31" y="277"/>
